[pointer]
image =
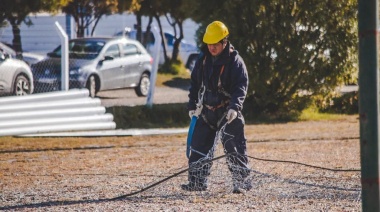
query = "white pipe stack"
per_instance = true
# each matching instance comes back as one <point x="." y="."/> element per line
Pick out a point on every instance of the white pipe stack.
<point x="59" y="111"/>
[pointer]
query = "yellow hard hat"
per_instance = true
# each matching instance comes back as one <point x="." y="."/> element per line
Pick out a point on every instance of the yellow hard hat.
<point x="215" y="32"/>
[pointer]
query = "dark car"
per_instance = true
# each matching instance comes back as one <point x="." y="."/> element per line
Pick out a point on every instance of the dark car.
<point x="97" y="63"/>
<point x="188" y="53"/>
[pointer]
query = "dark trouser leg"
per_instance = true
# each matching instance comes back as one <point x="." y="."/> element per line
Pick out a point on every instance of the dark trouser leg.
<point x="202" y="143"/>
<point x="234" y="143"/>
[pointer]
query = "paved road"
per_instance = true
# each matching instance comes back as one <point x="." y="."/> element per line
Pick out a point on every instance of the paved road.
<point x="128" y="97"/>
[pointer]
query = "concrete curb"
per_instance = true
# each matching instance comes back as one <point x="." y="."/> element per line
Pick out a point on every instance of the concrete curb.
<point x="104" y="133"/>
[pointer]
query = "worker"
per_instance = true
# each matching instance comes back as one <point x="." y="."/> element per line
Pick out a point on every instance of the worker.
<point x="219" y="83"/>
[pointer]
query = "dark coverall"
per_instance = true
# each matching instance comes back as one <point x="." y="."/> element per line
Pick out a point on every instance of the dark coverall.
<point x="226" y="81"/>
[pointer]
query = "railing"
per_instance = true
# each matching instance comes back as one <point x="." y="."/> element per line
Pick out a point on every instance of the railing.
<point x="58" y="111"/>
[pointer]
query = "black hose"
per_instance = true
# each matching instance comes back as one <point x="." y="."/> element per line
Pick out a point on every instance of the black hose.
<point x="163" y="180"/>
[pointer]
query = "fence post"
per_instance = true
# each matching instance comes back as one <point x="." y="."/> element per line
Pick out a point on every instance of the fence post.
<point x="369" y="103"/>
<point x="156" y="58"/>
<point x="64" y="57"/>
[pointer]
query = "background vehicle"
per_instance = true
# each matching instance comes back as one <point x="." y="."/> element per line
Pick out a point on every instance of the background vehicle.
<point x="187" y="52"/>
<point x="29" y="58"/>
<point x="97" y="63"/>
<point x="15" y="76"/>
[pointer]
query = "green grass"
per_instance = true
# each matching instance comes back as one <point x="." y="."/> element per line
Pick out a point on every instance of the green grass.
<point x="165" y="79"/>
<point x="312" y="114"/>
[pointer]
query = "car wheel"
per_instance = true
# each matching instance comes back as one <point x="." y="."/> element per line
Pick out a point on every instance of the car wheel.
<point x="143" y="87"/>
<point x="21" y="86"/>
<point x="91" y="86"/>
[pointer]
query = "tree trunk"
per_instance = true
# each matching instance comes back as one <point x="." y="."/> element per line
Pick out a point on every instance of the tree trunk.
<point x="177" y="43"/>
<point x="80" y="27"/>
<point x="95" y="24"/>
<point x="147" y="32"/>
<point x="163" y="40"/>
<point x="138" y="27"/>
<point x="80" y="32"/>
<point x="16" y="42"/>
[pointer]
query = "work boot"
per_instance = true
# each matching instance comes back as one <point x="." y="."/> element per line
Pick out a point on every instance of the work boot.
<point x="194" y="187"/>
<point x="242" y="186"/>
<point x="196" y="183"/>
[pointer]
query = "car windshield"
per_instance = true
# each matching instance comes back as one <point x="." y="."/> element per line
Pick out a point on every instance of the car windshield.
<point x="81" y="49"/>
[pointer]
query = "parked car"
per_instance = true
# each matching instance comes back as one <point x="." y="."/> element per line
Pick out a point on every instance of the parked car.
<point x="28" y="57"/>
<point x="15" y="76"/>
<point x="187" y="52"/>
<point x="97" y="63"/>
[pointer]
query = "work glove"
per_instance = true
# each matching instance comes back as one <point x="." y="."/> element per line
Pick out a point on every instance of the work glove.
<point x="231" y="115"/>
<point x="191" y="113"/>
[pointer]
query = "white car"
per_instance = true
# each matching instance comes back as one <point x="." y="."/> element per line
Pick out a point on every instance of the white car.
<point x="187" y="52"/>
<point x="15" y="76"/>
<point x="28" y="57"/>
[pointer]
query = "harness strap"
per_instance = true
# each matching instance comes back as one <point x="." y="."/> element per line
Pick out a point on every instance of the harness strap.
<point x="218" y="123"/>
<point x="220" y="87"/>
<point x="220" y="74"/>
<point x="207" y="122"/>
<point x="223" y="103"/>
<point x="213" y="108"/>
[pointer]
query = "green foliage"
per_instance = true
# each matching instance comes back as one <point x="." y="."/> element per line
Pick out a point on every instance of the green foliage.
<point x="172" y="67"/>
<point x="89" y="12"/>
<point x="292" y="49"/>
<point x="347" y="103"/>
<point x="16" y="12"/>
<point x="175" y="11"/>
<point x="129" y="5"/>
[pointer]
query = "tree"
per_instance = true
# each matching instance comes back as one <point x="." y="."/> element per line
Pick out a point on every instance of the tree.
<point x="293" y="49"/>
<point x="16" y="12"/>
<point x="175" y="11"/>
<point x="178" y="12"/>
<point x="151" y="8"/>
<point x="89" y="12"/>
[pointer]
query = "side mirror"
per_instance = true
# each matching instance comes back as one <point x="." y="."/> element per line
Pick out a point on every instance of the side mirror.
<point x="107" y="58"/>
<point x="2" y="58"/>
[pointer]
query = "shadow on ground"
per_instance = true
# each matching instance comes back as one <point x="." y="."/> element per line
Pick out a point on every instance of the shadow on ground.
<point x="178" y="82"/>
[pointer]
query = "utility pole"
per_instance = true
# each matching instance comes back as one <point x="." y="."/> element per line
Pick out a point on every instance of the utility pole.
<point x="369" y="103"/>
